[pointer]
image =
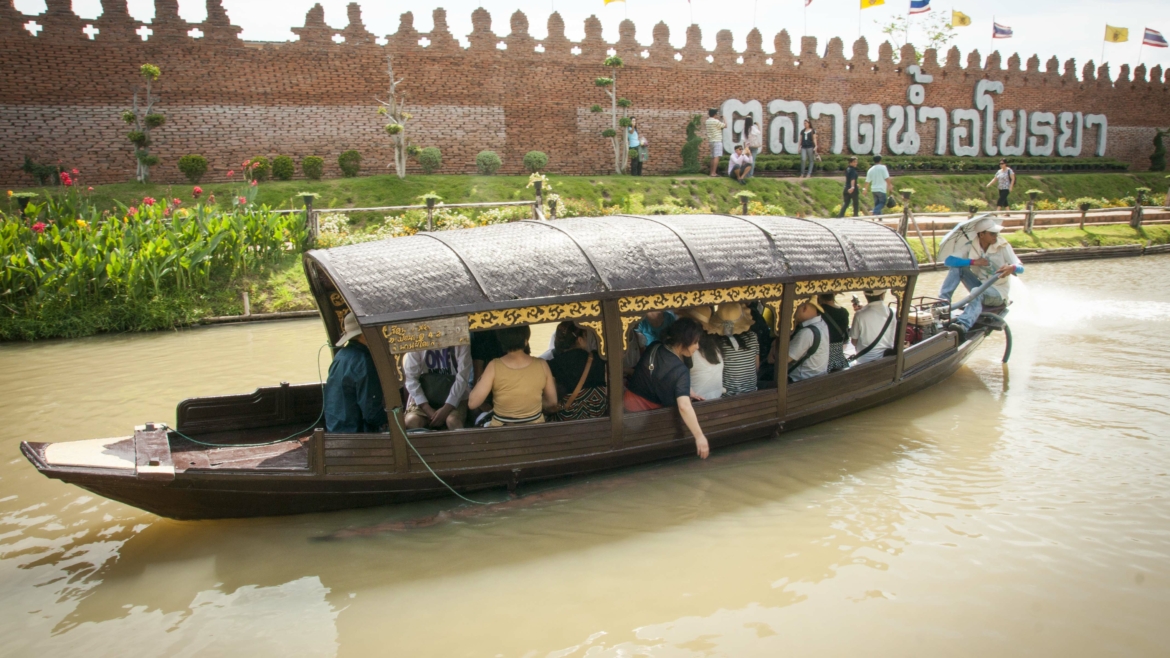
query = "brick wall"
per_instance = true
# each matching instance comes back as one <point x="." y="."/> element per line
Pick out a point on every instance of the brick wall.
<point x="61" y="94"/>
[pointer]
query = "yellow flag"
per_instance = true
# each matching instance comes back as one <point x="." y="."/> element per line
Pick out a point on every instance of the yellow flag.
<point x="866" y="4"/>
<point x="959" y="19"/>
<point x="609" y="1"/>
<point x="1116" y="34"/>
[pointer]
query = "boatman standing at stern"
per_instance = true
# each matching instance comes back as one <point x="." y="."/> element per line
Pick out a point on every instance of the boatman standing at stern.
<point x="988" y="254"/>
<point x="353" y="394"/>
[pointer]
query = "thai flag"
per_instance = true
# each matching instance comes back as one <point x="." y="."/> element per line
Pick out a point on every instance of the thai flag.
<point x="1001" y="31"/>
<point x="919" y="6"/>
<point x="1154" y="38"/>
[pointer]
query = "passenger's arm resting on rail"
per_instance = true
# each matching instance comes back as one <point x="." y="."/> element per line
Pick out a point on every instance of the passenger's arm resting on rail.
<point x="551" y="403"/>
<point x="687" y="412"/>
<point x="412" y="367"/>
<point x="483" y="387"/>
<point x="462" y="377"/>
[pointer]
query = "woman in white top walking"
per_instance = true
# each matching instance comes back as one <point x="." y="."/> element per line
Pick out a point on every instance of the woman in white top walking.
<point x="1006" y="178"/>
<point x="754" y="138"/>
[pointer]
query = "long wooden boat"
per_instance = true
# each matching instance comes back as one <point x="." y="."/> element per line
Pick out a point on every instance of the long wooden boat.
<point x="432" y="288"/>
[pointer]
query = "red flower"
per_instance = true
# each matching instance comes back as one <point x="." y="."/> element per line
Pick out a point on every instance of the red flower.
<point x="243" y="201"/>
<point x="253" y="183"/>
<point x="247" y="162"/>
<point x="147" y="201"/>
<point x="178" y="201"/>
<point x="75" y="172"/>
<point x="197" y="191"/>
<point x="231" y="172"/>
<point x="65" y="179"/>
<point x="39" y="227"/>
<point x="131" y="211"/>
<point x="90" y="188"/>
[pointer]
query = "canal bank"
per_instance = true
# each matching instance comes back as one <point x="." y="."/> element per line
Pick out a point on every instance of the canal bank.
<point x="1010" y="511"/>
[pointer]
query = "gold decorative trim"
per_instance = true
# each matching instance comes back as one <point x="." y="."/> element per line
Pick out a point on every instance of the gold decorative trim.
<point x="340" y="308"/>
<point x="533" y="315"/>
<point x="398" y="366"/>
<point x="775" y="306"/>
<point x="808" y="288"/>
<point x="628" y="320"/>
<point x="672" y="300"/>
<point x="599" y="328"/>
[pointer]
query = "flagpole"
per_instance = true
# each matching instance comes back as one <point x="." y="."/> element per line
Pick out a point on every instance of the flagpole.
<point x="806" y="18"/>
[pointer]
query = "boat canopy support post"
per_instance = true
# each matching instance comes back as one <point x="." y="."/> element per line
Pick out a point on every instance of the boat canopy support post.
<point x="388" y="377"/>
<point x="612" y="319"/>
<point x="903" y="319"/>
<point x="783" y="333"/>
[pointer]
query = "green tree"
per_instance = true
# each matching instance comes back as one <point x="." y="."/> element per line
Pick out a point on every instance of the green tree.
<point x="1158" y="157"/>
<point x="143" y="120"/>
<point x="936" y="27"/>
<point x="690" y="150"/>
<point x="616" y="136"/>
<point x="393" y="108"/>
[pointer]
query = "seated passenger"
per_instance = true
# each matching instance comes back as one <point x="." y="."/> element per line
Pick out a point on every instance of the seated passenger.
<point x="739" y="347"/>
<point x="740" y="164"/>
<point x="579" y="373"/>
<point x="353" y="395"/>
<point x="522" y="387"/>
<point x="641" y="335"/>
<point x="661" y="379"/>
<point x="707" y="364"/>
<point x="874" y="328"/>
<point x="808" y="349"/>
<point x="838" y="320"/>
<point x="592" y="341"/>
<point x="485" y="347"/>
<point x="437" y="383"/>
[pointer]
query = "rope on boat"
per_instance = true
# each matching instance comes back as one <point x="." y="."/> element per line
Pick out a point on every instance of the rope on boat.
<point x="294" y="435"/>
<point x="424" y="462"/>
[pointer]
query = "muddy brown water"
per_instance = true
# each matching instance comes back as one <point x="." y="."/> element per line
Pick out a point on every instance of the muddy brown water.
<point x="1007" y="511"/>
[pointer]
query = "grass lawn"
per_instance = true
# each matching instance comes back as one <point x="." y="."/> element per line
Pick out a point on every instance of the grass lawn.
<point x="810" y="197"/>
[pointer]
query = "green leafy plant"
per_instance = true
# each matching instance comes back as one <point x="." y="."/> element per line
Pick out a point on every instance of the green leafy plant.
<point x="43" y="173"/>
<point x="350" y="163"/>
<point x="193" y="166"/>
<point x="430" y="196"/>
<point x="535" y="161"/>
<point x="143" y="120"/>
<point x="413" y="150"/>
<point x="313" y="166"/>
<point x="394" y="109"/>
<point x="1158" y="157"/>
<point x="257" y="168"/>
<point x="430" y="159"/>
<point x="487" y="163"/>
<point x="616" y="137"/>
<point x="974" y="205"/>
<point x="283" y="167"/>
<point x="690" y="149"/>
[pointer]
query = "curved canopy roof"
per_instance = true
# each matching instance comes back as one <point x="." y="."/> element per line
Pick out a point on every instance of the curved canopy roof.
<point x="515" y="264"/>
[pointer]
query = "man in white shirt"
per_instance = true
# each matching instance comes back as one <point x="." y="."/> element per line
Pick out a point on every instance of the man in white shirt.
<point x="740" y="164"/>
<point x="874" y="328"/>
<point x="989" y="254"/>
<point x="808" y="351"/>
<point x="877" y="180"/>
<point x="440" y="365"/>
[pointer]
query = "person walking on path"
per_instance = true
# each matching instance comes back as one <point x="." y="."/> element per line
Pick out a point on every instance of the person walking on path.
<point x="877" y="181"/>
<point x="715" y="137"/>
<point x="852" y="192"/>
<point x="808" y="149"/>
<point x="754" y="138"/>
<point x="1007" y="181"/>
<point x="634" y="141"/>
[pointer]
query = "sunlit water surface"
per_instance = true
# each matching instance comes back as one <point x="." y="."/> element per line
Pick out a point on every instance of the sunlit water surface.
<point x="1004" y="512"/>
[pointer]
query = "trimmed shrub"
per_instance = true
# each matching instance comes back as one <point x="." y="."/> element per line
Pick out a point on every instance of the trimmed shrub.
<point x="1158" y="158"/>
<point x="259" y="169"/>
<point x="487" y="163"/>
<point x="690" y="150"/>
<point x="431" y="159"/>
<point x="350" y="163"/>
<point x="313" y="166"/>
<point x="283" y="167"/>
<point x="193" y="167"/>
<point x="534" y="161"/>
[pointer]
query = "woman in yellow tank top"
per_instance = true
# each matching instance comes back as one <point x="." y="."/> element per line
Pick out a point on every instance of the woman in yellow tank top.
<point x="522" y="387"/>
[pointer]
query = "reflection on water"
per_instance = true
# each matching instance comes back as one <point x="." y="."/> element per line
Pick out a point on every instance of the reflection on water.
<point x="975" y="517"/>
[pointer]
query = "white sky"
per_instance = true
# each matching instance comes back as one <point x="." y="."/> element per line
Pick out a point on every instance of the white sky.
<point x="1065" y="28"/>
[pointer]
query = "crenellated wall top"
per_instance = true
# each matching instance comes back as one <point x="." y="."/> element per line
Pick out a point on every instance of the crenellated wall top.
<point x="59" y="24"/>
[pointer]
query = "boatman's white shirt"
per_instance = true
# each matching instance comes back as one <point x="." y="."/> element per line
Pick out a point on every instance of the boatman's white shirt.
<point x="867" y="324"/>
<point x="1000" y="253"/>
<point x="818" y="363"/>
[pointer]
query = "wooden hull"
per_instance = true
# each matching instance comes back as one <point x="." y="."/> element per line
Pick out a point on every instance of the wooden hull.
<point x="157" y="472"/>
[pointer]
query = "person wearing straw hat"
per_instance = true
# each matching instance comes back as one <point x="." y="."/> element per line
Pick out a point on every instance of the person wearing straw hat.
<point x="808" y="349"/>
<point x="353" y="395"/>
<point x="706" y="365"/>
<point x="975" y="262"/>
<point x="874" y="328"/>
<point x="738" y="346"/>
